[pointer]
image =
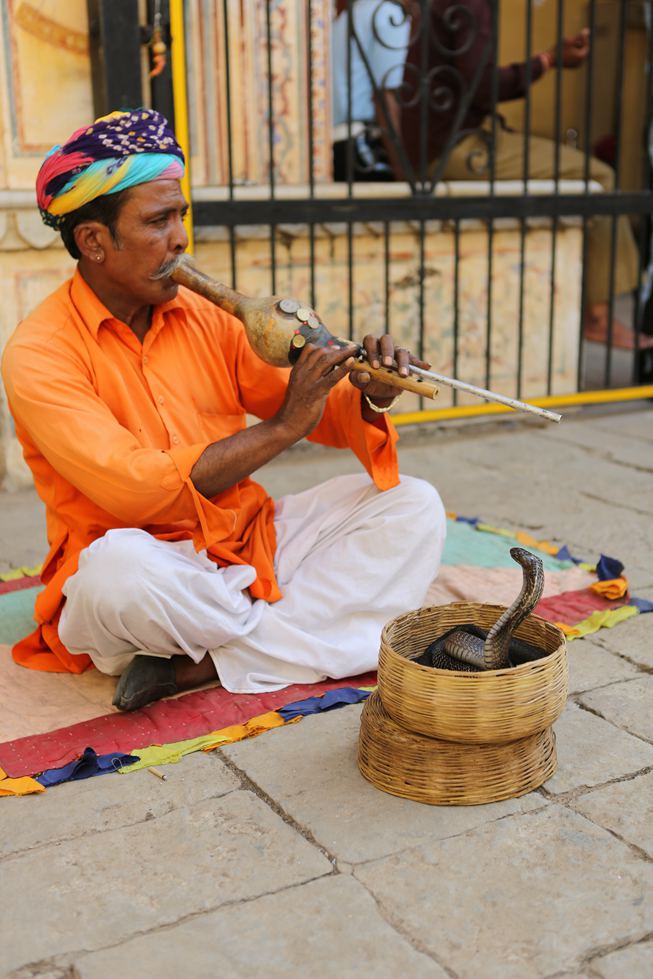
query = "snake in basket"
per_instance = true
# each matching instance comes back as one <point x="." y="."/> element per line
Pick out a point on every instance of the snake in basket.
<point x="461" y="650"/>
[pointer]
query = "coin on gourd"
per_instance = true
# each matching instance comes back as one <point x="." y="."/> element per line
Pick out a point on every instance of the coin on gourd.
<point x="288" y="305"/>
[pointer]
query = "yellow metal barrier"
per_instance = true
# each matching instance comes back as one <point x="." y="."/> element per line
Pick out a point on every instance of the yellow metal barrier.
<point x="553" y="401"/>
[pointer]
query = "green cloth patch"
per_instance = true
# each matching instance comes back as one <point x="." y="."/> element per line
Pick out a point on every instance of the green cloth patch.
<point x="17" y="614"/>
<point x="465" y="545"/>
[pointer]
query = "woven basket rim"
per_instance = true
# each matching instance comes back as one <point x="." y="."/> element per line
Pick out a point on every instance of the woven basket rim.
<point x="431" y="670"/>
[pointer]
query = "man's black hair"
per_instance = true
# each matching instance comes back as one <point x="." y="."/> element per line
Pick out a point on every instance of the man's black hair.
<point x="105" y="209"/>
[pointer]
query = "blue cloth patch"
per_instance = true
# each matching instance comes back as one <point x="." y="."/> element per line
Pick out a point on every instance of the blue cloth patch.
<point x="87" y="766"/>
<point x="316" y="705"/>
<point x="608" y="568"/>
<point x="564" y="554"/>
<point x="643" y="604"/>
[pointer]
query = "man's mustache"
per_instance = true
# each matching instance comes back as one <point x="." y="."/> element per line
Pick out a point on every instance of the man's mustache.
<point x="166" y="270"/>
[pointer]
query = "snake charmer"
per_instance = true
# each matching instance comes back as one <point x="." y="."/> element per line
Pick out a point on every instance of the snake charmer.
<point x="169" y="566"/>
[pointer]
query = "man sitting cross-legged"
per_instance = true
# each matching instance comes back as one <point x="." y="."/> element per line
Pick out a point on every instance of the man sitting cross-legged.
<point x="168" y="565"/>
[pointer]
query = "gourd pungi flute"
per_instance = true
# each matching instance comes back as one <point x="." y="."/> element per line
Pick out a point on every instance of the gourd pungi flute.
<point x="277" y="329"/>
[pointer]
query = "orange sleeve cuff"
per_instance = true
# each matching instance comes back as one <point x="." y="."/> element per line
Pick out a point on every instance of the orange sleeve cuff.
<point x="374" y="444"/>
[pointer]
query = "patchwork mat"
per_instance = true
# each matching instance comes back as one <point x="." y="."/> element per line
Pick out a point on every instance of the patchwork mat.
<point x="55" y="727"/>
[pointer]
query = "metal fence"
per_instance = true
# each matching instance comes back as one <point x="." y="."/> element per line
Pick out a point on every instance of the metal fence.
<point x="425" y="85"/>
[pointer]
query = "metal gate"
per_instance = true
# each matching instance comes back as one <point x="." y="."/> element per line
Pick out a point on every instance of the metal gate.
<point x="435" y="88"/>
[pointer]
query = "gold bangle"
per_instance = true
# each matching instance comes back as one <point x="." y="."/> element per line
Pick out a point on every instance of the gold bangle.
<point x="382" y="411"/>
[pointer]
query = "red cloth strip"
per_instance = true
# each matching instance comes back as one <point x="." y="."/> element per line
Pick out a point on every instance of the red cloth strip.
<point x="161" y="723"/>
<point x="16" y="584"/>
<point x="573" y="606"/>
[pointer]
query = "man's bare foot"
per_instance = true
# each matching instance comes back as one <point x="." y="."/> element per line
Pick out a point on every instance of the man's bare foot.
<point x="189" y="675"/>
<point x="595" y="328"/>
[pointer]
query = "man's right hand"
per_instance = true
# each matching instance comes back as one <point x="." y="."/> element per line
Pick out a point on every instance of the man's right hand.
<point x="574" y="50"/>
<point x="317" y="371"/>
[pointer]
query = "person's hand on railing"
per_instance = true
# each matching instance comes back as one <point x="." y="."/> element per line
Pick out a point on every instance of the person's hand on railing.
<point x="573" y="52"/>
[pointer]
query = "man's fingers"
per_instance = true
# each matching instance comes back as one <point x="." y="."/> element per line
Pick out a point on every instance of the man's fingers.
<point x="387" y="346"/>
<point x="424" y="364"/>
<point x="338" y="371"/>
<point x="322" y="360"/>
<point x="360" y="379"/>
<point x="403" y="360"/>
<point x="371" y="347"/>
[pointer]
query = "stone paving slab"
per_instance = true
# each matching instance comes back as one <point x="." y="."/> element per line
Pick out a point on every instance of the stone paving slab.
<point x="519" y="898"/>
<point x="626" y="704"/>
<point x="328" y="929"/>
<point x="627" y="449"/>
<point x="591" y="665"/>
<point x="632" y="638"/>
<point x="635" y="962"/>
<point x="37" y="971"/>
<point x="86" y="892"/>
<point x="592" y="751"/>
<point x="631" y="424"/>
<point x="609" y="481"/>
<point x="517" y="495"/>
<point x="310" y="770"/>
<point x="108" y="802"/>
<point x="23" y="537"/>
<point x="626" y="808"/>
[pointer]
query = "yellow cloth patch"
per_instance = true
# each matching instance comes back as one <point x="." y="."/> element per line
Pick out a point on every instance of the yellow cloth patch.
<point x="18" y="786"/>
<point x="613" y="588"/>
<point x="23" y="572"/>
<point x="599" y="620"/>
<point x="527" y="540"/>
<point x="170" y="754"/>
<point x="257" y="725"/>
<point x="167" y="754"/>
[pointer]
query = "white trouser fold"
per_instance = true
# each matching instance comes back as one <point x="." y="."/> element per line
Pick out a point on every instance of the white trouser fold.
<point x="348" y="558"/>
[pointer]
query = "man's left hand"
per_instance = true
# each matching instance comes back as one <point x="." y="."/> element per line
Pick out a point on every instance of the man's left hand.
<point x="382" y="352"/>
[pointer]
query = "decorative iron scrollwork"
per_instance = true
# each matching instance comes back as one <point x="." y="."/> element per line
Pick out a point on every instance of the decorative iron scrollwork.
<point x="427" y="81"/>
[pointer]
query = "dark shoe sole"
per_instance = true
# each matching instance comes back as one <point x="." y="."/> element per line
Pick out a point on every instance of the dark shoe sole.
<point x="146" y="679"/>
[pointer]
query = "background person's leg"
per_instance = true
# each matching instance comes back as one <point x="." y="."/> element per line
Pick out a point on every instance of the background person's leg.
<point x="509" y="165"/>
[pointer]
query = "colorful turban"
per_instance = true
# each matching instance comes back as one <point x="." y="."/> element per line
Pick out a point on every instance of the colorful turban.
<point x="117" y="151"/>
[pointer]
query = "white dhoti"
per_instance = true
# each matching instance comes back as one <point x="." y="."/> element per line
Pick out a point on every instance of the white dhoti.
<point x="348" y="558"/>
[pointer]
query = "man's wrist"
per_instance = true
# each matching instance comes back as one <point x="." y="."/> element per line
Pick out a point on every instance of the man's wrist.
<point x="376" y="400"/>
<point x="547" y="60"/>
<point x="373" y="409"/>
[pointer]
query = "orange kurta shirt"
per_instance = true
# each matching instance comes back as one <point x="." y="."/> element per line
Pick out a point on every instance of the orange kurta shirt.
<point x="111" y="429"/>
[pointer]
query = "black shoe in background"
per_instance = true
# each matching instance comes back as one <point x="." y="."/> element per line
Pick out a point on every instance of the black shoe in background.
<point x="369" y="159"/>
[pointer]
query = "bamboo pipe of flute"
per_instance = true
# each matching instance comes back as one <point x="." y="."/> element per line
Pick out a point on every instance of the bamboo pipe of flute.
<point x="500" y="399"/>
<point x="278" y="328"/>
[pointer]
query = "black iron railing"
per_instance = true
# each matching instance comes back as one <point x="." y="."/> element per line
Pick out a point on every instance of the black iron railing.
<point x="448" y="78"/>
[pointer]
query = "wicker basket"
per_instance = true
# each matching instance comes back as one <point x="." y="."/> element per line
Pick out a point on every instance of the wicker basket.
<point x="490" y="707"/>
<point x="445" y="774"/>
